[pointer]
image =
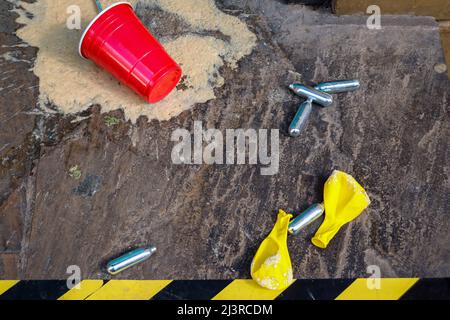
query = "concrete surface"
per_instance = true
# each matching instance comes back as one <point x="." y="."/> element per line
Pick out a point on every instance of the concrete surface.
<point x="207" y="221"/>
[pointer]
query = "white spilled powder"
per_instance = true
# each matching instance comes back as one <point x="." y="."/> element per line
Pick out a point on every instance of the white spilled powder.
<point x="272" y="261"/>
<point x="334" y="177"/>
<point x="74" y="84"/>
<point x="289" y="276"/>
<point x="274" y="283"/>
<point x="351" y="184"/>
<point x="269" y="283"/>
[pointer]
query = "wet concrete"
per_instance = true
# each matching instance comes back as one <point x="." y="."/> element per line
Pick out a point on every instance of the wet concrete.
<point x="208" y="220"/>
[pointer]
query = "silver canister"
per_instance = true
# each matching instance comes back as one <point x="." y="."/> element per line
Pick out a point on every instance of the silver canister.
<point x="338" y="86"/>
<point x="306" y="218"/>
<point x="301" y="118"/>
<point x="319" y="97"/>
<point x="129" y="259"/>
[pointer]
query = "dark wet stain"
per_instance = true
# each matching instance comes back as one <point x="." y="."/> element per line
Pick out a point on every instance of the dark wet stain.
<point x="89" y="187"/>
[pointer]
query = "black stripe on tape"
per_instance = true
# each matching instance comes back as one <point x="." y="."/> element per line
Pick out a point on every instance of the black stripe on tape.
<point x="429" y="289"/>
<point x="191" y="290"/>
<point x="315" y="289"/>
<point x="36" y="290"/>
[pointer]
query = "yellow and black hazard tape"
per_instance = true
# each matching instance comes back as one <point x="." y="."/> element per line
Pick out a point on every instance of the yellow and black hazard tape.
<point x="320" y="289"/>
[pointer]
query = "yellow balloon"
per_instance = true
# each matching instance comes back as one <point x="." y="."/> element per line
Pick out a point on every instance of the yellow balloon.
<point x="271" y="267"/>
<point x="344" y="200"/>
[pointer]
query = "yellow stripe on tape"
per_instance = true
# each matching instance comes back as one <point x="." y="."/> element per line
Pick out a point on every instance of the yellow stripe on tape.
<point x="5" y="285"/>
<point x="86" y="288"/>
<point x="246" y="290"/>
<point x="129" y="290"/>
<point x="385" y="289"/>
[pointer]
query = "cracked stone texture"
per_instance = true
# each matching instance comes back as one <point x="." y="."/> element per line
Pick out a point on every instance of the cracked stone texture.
<point x="208" y="220"/>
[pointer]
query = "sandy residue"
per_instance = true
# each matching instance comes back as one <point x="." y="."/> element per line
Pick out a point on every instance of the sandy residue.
<point x="74" y="84"/>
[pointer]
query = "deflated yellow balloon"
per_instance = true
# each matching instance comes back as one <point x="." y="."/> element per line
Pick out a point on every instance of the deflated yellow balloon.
<point x="344" y="200"/>
<point x="271" y="267"/>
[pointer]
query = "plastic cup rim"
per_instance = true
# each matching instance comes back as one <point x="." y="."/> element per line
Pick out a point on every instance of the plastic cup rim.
<point x="94" y="20"/>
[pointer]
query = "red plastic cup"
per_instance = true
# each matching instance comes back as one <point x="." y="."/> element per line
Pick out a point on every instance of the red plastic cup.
<point x="117" y="41"/>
